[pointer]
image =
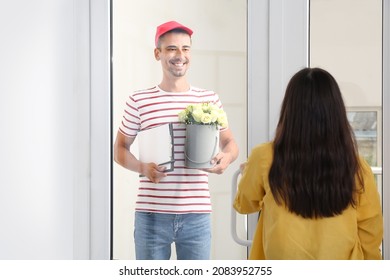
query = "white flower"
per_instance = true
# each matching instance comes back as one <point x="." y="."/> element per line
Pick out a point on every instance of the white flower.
<point x="206" y="118"/>
<point x="197" y="114"/>
<point x="214" y="116"/>
<point x="183" y="115"/>
<point x="222" y="120"/>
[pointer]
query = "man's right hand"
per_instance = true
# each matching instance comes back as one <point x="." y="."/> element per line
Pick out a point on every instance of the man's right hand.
<point x="153" y="172"/>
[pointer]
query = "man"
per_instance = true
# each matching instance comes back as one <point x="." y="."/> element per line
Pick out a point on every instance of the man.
<point x="172" y="206"/>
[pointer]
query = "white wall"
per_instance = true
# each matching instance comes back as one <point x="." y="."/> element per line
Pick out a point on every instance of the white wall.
<point x="50" y="193"/>
<point x="44" y="124"/>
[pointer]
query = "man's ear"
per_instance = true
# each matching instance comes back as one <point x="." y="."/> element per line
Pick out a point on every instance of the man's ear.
<point x="157" y="54"/>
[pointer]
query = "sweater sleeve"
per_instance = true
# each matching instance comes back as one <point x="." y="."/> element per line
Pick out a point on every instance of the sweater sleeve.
<point x="250" y="191"/>
<point x="369" y="215"/>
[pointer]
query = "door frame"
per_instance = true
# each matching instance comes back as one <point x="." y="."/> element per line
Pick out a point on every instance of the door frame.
<point x="386" y="128"/>
<point x="272" y="25"/>
<point x="100" y="200"/>
<point x="269" y="24"/>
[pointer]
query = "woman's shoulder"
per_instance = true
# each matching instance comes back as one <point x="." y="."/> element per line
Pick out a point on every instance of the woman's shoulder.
<point x="263" y="150"/>
<point x="366" y="168"/>
<point x="263" y="147"/>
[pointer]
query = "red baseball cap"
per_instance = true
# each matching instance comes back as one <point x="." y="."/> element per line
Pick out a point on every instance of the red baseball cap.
<point x="168" y="26"/>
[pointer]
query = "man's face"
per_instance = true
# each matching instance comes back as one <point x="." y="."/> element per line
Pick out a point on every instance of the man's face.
<point x="174" y="54"/>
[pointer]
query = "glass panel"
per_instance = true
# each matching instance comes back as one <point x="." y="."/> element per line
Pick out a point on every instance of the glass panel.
<point x="218" y="63"/>
<point x="365" y="125"/>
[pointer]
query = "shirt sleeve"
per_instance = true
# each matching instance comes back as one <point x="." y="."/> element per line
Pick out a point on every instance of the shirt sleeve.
<point x="131" y="122"/>
<point x="369" y="215"/>
<point x="218" y="102"/>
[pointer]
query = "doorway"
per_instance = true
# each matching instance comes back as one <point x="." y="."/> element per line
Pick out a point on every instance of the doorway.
<point x="219" y="54"/>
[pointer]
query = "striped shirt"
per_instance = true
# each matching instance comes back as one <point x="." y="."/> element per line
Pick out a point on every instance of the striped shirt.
<point x="184" y="190"/>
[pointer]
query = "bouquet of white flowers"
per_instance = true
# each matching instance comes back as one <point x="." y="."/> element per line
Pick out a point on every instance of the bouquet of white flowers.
<point x="205" y="114"/>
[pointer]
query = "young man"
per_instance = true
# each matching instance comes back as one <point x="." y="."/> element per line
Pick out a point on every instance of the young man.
<point x="172" y="206"/>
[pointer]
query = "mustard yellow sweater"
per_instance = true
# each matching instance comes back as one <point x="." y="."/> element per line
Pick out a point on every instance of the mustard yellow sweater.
<point x="355" y="234"/>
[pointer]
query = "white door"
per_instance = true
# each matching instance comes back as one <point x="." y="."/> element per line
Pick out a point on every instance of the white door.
<point x="344" y="37"/>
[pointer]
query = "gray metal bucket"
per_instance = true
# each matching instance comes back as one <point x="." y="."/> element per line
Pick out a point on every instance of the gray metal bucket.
<point x="201" y="145"/>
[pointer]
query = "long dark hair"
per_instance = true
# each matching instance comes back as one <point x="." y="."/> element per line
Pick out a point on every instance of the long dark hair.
<point x="315" y="153"/>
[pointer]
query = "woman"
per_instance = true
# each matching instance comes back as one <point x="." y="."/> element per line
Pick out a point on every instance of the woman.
<point x="318" y="198"/>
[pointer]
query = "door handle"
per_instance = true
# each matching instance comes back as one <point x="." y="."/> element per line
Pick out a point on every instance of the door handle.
<point x="233" y="224"/>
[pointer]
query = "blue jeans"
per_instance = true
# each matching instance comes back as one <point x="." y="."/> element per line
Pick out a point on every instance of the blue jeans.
<point x="154" y="233"/>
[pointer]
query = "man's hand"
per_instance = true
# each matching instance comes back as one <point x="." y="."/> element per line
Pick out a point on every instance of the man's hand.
<point x="153" y="172"/>
<point x="221" y="161"/>
<point x="242" y="167"/>
<point x="228" y="153"/>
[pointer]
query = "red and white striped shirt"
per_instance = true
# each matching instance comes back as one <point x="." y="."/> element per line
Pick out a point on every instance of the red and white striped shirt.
<point x="184" y="190"/>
